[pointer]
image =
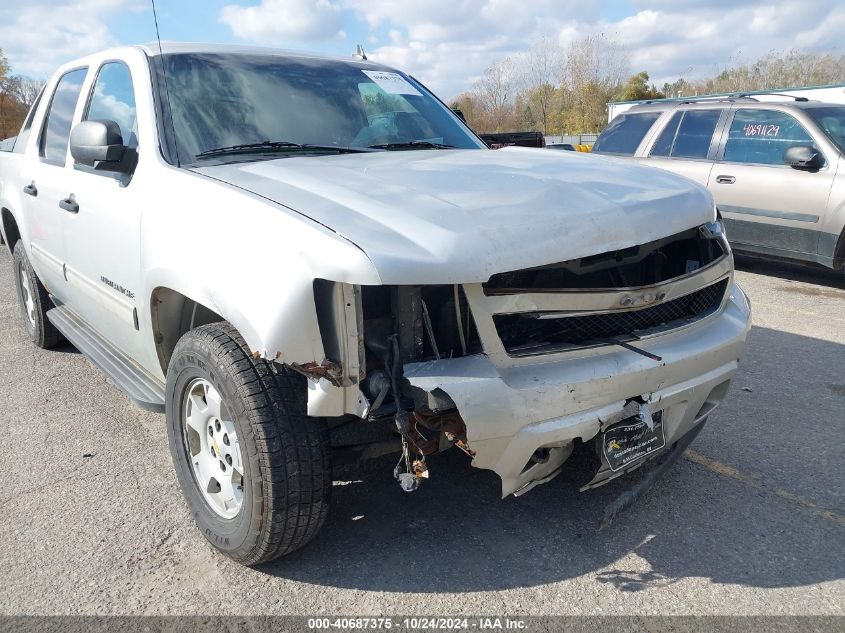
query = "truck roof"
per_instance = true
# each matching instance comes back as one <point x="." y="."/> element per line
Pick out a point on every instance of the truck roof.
<point x="152" y="50"/>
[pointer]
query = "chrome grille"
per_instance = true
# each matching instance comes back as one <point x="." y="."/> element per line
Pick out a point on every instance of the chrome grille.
<point x="525" y="334"/>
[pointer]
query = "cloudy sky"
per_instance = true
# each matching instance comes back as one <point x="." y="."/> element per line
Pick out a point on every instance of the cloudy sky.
<point x="444" y="43"/>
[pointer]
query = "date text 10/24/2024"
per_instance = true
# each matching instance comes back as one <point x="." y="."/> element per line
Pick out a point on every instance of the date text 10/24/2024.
<point x="418" y="623"/>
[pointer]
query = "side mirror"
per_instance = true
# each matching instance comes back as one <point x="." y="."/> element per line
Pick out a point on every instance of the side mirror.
<point x="97" y="144"/>
<point x="803" y="157"/>
<point x="459" y="114"/>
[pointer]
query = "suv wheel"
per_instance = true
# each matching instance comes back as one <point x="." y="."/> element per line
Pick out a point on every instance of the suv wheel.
<point x="34" y="302"/>
<point x="254" y="469"/>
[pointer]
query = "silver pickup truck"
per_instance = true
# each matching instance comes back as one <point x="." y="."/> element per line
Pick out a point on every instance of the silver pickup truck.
<point x="291" y="255"/>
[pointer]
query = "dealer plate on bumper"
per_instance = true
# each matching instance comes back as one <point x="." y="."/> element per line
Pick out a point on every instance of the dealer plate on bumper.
<point x="633" y="439"/>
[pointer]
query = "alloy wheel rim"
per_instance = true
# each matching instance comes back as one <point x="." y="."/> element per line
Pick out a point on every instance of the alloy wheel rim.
<point x="212" y="446"/>
<point x="28" y="301"/>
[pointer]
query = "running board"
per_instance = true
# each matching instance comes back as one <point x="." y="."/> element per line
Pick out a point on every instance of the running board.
<point x="142" y="388"/>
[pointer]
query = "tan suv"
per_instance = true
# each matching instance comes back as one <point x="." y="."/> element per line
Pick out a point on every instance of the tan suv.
<point x="776" y="168"/>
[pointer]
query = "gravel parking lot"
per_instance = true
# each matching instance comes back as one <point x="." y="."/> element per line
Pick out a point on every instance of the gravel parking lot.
<point x="752" y="521"/>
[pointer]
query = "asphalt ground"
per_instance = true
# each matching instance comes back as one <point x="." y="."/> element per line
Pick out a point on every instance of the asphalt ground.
<point x="750" y="522"/>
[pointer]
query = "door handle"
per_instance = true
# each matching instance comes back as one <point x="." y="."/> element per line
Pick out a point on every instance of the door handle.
<point x="69" y="204"/>
<point x="31" y="189"/>
<point x="725" y="180"/>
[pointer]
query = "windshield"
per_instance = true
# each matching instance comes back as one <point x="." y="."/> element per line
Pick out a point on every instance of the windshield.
<point x="230" y="100"/>
<point x="832" y="120"/>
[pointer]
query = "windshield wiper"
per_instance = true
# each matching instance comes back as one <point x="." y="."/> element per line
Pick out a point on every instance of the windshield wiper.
<point x="412" y="145"/>
<point x="276" y="146"/>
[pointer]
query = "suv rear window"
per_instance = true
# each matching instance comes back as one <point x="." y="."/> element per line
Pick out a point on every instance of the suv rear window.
<point x="624" y="134"/>
<point x="688" y="134"/>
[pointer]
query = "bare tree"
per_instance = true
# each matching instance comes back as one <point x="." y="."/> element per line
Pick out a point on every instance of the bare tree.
<point x="27" y="89"/>
<point x="596" y="59"/>
<point x="495" y="92"/>
<point x="9" y="105"/>
<point x="596" y="68"/>
<point x="551" y="90"/>
<point x="771" y="72"/>
<point x="17" y="94"/>
<point x="542" y="66"/>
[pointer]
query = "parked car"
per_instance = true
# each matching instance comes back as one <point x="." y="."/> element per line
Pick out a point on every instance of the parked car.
<point x="299" y="258"/>
<point x="498" y="140"/>
<point x="561" y="146"/>
<point x="775" y="168"/>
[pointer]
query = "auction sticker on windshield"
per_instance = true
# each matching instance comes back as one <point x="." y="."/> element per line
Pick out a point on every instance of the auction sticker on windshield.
<point x="633" y="439"/>
<point x="391" y="83"/>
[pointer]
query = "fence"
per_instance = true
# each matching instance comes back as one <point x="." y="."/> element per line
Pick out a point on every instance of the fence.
<point x="573" y="139"/>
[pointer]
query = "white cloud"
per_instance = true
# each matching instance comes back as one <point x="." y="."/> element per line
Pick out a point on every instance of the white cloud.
<point x="279" y="21"/>
<point x="700" y="38"/>
<point x="447" y="44"/>
<point x="38" y="35"/>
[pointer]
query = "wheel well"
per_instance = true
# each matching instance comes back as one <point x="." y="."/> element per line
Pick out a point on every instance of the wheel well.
<point x="10" y="229"/>
<point x="839" y="253"/>
<point x="173" y="316"/>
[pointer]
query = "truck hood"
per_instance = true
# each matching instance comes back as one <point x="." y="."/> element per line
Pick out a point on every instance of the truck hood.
<point x="459" y="216"/>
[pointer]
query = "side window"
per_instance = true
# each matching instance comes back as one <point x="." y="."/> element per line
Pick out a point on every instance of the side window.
<point x="624" y="134"/>
<point x="688" y="134"/>
<point x="26" y="128"/>
<point x="762" y="136"/>
<point x="54" y="137"/>
<point x="113" y="99"/>
<point x="695" y="133"/>
<point x="664" y="143"/>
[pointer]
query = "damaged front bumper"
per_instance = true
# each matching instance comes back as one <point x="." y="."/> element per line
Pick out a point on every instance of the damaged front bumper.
<point x="512" y="411"/>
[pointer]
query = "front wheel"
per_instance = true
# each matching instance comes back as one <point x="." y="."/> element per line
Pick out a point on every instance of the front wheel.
<point x="254" y="469"/>
<point x="34" y="302"/>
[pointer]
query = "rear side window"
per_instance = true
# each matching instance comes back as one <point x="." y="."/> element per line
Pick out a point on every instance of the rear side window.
<point x="688" y="134"/>
<point x="762" y="136"/>
<point x="54" y="138"/>
<point x="624" y="134"/>
<point x="26" y="128"/>
<point x="663" y="146"/>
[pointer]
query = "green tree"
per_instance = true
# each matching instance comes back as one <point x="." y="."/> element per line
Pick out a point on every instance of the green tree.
<point x="679" y="88"/>
<point x="638" y="88"/>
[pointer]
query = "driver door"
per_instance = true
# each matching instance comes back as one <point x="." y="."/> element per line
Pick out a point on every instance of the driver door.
<point x="103" y="234"/>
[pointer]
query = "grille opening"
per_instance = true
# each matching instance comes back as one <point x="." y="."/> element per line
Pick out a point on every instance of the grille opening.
<point x="399" y="309"/>
<point x="646" y="264"/>
<point x="524" y="334"/>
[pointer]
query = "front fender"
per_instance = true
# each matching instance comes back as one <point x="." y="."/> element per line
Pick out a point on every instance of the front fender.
<point x="249" y="260"/>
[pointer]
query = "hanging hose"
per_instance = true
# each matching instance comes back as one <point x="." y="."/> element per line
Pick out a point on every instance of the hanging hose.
<point x="414" y="473"/>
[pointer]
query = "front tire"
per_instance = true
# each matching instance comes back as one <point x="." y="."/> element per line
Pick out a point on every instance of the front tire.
<point x="254" y="469"/>
<point x="34" y="301"/>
